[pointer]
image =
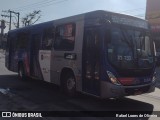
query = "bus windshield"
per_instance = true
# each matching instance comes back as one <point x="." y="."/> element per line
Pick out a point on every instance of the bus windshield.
<point x="130" y="49"/>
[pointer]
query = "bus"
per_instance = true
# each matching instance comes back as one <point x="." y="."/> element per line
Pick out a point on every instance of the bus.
<point x="99" y="53"/>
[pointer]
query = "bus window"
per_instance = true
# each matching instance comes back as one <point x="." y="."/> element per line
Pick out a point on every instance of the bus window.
<point x="21" y="42"/>
<point x="48" y="38"/>
<point x="65" y="37"/>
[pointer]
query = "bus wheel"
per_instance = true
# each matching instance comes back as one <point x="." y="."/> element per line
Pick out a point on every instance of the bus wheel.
<point x="21" y="72"/>
<point x="69" y="84"/>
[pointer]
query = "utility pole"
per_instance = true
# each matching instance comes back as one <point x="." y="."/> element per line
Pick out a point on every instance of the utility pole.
<point x="10" y="17"/>
<point x="10" y="20"/>
<point x="6" y="16"/>
<point x="17" y="14"/>
<point x="2" y="27"/>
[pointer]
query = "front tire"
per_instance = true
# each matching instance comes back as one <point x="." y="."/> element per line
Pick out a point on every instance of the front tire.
<point x="69" y="84"/>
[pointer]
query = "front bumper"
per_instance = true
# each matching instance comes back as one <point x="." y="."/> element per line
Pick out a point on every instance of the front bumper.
<point x="109" y="90"/>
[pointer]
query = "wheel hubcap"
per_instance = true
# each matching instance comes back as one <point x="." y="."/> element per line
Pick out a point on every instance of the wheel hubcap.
<point x="70" y="83"/>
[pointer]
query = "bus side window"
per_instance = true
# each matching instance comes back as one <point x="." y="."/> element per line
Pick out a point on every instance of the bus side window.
<point x="48" y="37"/>
<point x="65" y="37"/>
<point x="22" y="40"/>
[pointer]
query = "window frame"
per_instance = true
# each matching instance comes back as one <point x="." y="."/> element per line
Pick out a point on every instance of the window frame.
<point x="46" y="34"/>
<point x="62" y="38"/>
<point x="22" y="40"/>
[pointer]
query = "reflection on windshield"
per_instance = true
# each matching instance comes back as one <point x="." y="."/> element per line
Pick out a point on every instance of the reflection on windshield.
<point x="130" y="49"/>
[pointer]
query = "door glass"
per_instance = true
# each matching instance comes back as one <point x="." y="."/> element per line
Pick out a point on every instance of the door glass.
<point x="91" y="64"/>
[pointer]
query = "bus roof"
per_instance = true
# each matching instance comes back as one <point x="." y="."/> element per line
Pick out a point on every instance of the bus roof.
<point x="88" y="18"/>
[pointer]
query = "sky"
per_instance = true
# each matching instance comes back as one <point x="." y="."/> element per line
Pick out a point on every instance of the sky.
<point x="55" y="9"/>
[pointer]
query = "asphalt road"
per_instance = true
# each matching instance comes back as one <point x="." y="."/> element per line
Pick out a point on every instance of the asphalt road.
<point x="35" y="95"/>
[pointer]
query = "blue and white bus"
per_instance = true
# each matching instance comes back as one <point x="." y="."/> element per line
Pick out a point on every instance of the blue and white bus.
<point x="104" y="54"/>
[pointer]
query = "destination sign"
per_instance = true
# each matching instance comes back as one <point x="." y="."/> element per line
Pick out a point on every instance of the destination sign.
<point x="129" y="21"/>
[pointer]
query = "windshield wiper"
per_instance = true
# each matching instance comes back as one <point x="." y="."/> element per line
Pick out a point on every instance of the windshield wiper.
<point x="131" y="45"/>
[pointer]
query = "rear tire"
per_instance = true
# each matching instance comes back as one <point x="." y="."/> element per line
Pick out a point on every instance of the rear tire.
<point x="69" y="84"/>
<point x="21" y="72"/>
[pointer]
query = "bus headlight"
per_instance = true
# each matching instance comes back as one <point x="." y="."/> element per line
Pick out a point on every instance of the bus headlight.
<point x="113" y="79"/>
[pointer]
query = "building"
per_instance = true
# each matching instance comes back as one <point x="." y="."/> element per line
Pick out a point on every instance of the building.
<point x="153" y="16"/>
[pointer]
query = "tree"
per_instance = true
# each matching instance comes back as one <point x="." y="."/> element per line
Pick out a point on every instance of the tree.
<point x="31" y="18"/>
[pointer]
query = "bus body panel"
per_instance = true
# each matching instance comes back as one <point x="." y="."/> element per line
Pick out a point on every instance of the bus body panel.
<point x="45" y="64"/>
<point x="59" y="62"/>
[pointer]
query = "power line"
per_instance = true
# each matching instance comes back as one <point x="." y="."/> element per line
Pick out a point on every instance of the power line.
<point x="33" y="4"/>
<point x="140" y="15"/>
<point x="53" y="3"/>
<point x="137" y="9"/>
<point x="40" y="5"/>
<point x="130" y="11"/>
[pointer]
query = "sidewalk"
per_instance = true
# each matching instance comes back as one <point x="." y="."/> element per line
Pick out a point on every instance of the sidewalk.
<point x="2" y="56"/>
<point x="2" y="53"/>
<point x="155" y="94"/>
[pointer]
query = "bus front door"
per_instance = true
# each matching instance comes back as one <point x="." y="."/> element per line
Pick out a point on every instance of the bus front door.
<point x="91" y="61"/>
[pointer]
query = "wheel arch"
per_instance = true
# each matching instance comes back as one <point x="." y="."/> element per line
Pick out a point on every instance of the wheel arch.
<point x="68" y="81"/>
<point x="64" y="71"/>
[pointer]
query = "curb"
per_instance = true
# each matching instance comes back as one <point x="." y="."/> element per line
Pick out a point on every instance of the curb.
<point x="155" y="94"/>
